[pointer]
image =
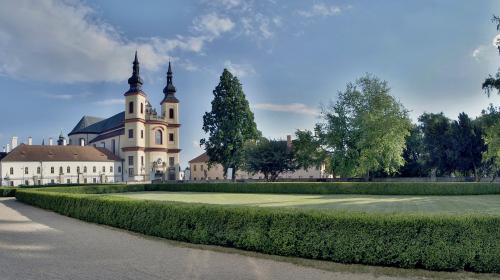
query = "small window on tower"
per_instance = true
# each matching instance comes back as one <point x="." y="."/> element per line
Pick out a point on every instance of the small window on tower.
<point x="131" y="108"/>
<point x="130" y="133"/>
<point x="171" y="137"/>
<point x="171" y="113"/>
<point x="142" y="108"/>
<point x="142" y="134"/>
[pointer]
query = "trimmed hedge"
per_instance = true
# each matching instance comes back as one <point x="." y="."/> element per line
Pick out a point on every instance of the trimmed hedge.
<point x="7" y="192"/>
<point x="435" y="242"/>
<point x="369" y="188"/>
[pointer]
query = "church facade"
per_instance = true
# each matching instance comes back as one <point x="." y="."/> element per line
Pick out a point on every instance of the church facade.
<point x="147" y="141"/>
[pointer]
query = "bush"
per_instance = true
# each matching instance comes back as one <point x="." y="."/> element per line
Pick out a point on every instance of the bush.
<point x="369" y="188"/>
<point x="435" y="242"/>
<point x="7" y="192"/>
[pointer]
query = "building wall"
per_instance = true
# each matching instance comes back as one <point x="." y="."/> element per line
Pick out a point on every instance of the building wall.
<point x="42" y="173"/>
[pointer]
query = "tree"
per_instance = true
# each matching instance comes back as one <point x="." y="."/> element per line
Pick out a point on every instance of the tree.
<point x="468" y="145"/>
<point x="493" y="82"/>
<point x="489" y="121"/>
<point x="230" y="124"/>
<point x="269" y="157"/>
<point x="365" y="130"/>
<point x="412" y="155"/>
<point x="307" y="149"/>
<point x="437" y="143"/>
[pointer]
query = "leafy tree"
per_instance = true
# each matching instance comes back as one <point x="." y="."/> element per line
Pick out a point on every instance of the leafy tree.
<point x="489" y="121"/>
<point x="436" y="129"/>
<point x="230" y="125"/>
<point x="413" y="154"/>
<point x="468" y="145"/>
<point x="269" y="157"/>
<point x="493" y="82"/>
<point x="307" y="149"/>
<point x="365" y="130"/>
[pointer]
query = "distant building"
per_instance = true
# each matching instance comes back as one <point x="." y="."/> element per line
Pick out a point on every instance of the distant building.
<point x="41" y="165"/>
<point x="199" y="170"/>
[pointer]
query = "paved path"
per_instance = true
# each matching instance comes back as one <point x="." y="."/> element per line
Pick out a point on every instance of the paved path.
<point x="38" y="244"/>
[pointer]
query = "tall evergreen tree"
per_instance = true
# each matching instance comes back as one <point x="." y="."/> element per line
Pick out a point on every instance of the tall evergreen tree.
<point x="437" y="143"/>
<point x="230" y="124"/>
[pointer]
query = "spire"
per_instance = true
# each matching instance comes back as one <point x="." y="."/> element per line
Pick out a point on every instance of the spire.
<point x="169" y="89"/>
<point x="135" y="80"/>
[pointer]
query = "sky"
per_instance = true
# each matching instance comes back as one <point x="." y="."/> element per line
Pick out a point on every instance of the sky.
<point x="61" y="60"/>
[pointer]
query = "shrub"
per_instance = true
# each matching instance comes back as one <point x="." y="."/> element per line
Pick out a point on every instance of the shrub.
<point x="7" y="192"/>
<point x="435" y="242"/>
<point x="369" y="188"/>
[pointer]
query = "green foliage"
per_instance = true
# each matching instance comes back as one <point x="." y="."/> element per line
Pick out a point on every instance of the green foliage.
<point x="308" y="152"/>
<point x="437" y="142"/>
<point x="491" y="156"/>
<point x="365" y="130"/>
<point x="467" y="145"/>
<point x="230" y="124"/>
<point x="7" y="192"/>
<point x="493" y="82"/>
<point x="270" y="157"/>
<point x="412" y="155"/>
<point x="436" y="242"/>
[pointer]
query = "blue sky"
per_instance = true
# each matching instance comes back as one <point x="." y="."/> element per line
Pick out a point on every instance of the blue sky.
<point x="61" y="60"/>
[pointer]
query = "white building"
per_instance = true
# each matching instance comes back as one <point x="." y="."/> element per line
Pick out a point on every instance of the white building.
<point x="41" y="165"/>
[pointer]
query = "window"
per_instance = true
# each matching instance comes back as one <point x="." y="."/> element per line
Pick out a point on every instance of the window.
<point x="171" y="161"/>
<point x="142" y="134"/>
<point x="194" y="167"/>
<point x="131" y="172"/>
<point x="119" y="169"/>
<point x="11" y="183"/>
<point x="171" y="113"/>
<point x="158" y="137"/>
<point x="52" y="170"/>
<point x="131" y="108"/>
<point x="78" y="169"/>
<point x="104" y="169"/>
<point x="27" y="183"/>
<point x="130" y="133"/>
<point x="113" y="146"/>
<point x="85" y="169"/>
<point x="39" y="182"/>
<point x="26" y="170"/>
<point x="111" y="169"/>
<point x="60" y="170"/>
<point x="68" y="181"/>
<point x="94" y="180"/>
<point x="216" y="178"/>
<point x="130" y="160"/>
<point x="94" y="169"/>
<point x="194" y="178"/>
<point x="142" y="160"/>
<point x="68" y="169"/>
<point x="38" y="170"/>
<point x="85" y="180"/>
<point x="12" y="171"/>
<point x="52" y="181"/>
<point x="201" y="167"/>
<point x="142" y="108"/>
<point x="171" y="137"/>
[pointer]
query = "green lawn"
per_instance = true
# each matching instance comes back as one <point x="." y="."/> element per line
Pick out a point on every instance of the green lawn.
<point x="484" y="204"/>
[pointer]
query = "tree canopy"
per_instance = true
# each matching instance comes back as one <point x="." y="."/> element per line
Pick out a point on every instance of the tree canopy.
<point x="230" y="124"/>
<point x="269" y="157"/>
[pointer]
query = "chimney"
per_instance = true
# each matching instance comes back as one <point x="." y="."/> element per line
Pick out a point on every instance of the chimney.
<point x="8" y="148"/>
<point x="51" y="142"/>
<point x="289" y="141"/>
<point x="30" y="141"/>
<point x="13" y="142"/>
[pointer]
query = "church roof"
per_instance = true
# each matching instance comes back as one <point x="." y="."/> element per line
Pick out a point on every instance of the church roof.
<point x="114" y="122"/>
<point x="59" y="153"/>
<point x="86" y="121"/>
<point x="200" y="159"/>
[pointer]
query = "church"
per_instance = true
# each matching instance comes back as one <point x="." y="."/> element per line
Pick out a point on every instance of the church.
<point x="147" y="141"/>
<point x="136" y="145"/>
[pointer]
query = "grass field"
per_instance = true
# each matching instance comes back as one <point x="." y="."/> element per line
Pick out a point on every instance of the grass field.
<point x="473" y="204"/>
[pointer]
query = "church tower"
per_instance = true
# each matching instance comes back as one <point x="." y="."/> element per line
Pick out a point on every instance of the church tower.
<point x="133" y="145"/>
<point x="170" y="113"/>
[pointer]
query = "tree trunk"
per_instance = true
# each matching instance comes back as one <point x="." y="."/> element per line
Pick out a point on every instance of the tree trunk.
<point x="233" y="171"/>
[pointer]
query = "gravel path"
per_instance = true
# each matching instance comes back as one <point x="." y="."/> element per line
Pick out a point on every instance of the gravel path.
<point x="38" y="244"/>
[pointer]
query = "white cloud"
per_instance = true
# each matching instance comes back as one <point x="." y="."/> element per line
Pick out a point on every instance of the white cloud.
<point x="259" y="26"/>
<point x="296" y="108"/>
<point x="110" y="102"/>
<point x="63" y="41"/>
<point x="239" y="70"/>
<point x="320" y="9"/>
<point x="65" y="96"/>
<point x="228" y="4"/>
<point x="213" y="24"/>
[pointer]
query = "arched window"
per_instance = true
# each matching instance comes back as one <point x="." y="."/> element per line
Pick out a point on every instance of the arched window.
<point x="26" y="171"/>
<point x="78" y="169"/>
<point x="85" y="169"/>
<point x="142" y="108"/>
<point x="104" y="169"/>
<point x="68" y="169"/>
<point x="111" y="169"/>
<point x="94" y="169"/>
<point x="158" y="137"/>
<point x="38" y="170"/>
<point x="171" y="113"/>
<point x="60" y="170"/>
<point x="131" y="107"/>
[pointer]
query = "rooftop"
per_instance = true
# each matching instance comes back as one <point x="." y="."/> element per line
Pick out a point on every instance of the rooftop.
<point x="59" y="153"/>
